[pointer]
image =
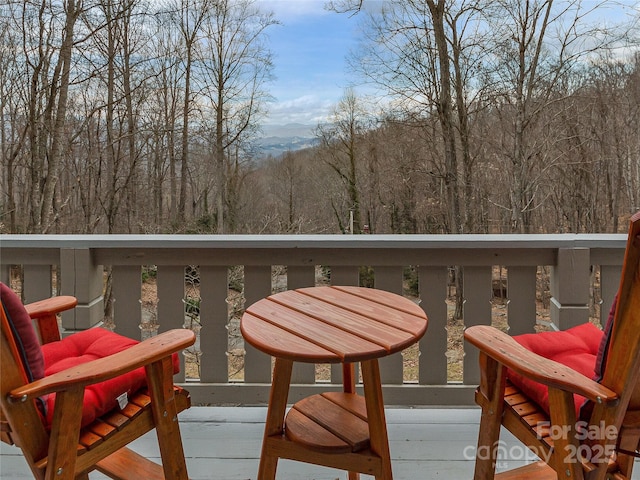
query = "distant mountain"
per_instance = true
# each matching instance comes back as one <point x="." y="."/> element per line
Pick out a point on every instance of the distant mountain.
<point x="289" y="130"/>
<point x="279" y="139"/>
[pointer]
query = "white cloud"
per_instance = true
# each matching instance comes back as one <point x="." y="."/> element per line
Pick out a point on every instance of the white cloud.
<point x="286" y="10"/>
<point x="306" y="109"/>
<point x="309" y="67"/>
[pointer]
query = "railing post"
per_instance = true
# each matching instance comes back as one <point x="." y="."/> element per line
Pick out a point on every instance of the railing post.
<point x="570" y="288"/>
<point x="84" y="280"/>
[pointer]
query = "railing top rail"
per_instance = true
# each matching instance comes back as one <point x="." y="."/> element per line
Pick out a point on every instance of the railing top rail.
<point x="447" y="242"/>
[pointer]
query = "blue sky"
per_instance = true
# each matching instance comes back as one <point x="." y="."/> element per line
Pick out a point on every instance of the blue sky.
<point x="309" y="49"/>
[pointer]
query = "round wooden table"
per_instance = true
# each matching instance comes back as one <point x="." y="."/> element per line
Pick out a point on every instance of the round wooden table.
<point x="335" y="324"/>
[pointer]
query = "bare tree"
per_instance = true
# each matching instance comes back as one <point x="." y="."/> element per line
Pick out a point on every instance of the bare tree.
<point x="235" y="63"/>
<point x="58" y="101"/>
<point x="114" y="36"/>
<point x="536" y="44"/>
<point x="501" y="119"/>
<point x="47" y="47"/>
<point x="12" y="137"/>
<point x="340" y="137"/>
<point x="416" y="53"/>
<point x="193" y="13"/>
<point x="166" y="107"/>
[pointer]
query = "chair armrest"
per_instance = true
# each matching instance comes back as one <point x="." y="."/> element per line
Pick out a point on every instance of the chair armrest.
<point x="44" y="313"/>
<point x="505" y="350"/>
<point x="95" y="371"/>
<point x="50" y="306"/>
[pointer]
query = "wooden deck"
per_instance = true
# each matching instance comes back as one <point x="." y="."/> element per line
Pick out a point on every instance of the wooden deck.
<point x="223" y="443"/>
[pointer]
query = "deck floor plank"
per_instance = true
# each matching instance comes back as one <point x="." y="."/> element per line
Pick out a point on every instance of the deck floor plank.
<point x="223" y="443"/>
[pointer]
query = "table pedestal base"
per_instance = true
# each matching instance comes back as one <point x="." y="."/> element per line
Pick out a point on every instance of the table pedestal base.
<point x="340" y="430"/>
<point x="329" y="429"/>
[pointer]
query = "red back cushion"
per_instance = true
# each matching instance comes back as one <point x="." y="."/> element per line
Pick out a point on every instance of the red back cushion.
<point x="576" y="348"/>
<point x="83" y="347"/>
<point x="23" y="333"/>
<point x="601" y="359"/>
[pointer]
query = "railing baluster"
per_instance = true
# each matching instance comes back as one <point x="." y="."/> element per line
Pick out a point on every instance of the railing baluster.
<point x="214" y="324"/>
<point x="170" y="307"/>
<point x="390" y="279"/>
<point x="299" y="277"/>
<point x="5" y="274"/>
<point x="257" y="285"/>
<point x="477" y="311"/>
<point x="521" y="293"/>
<point x="37" y="283"/>
<point x="433" y="346"/>
<point x="343" y="275"/>
<point x="126" y="295"/>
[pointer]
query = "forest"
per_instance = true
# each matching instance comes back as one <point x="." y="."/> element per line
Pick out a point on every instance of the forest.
<point x="136" y="116"/>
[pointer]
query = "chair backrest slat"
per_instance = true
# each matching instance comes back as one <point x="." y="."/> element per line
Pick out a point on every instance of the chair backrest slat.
<point x="622" y="370"/>
<point x="32" y="436"/>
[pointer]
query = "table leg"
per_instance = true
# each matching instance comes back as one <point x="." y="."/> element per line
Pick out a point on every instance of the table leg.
<point x="375" y="414"/>
<point x="275" y="416"/>
<point x="349" y="386"/>
<point x="348" y="377"/>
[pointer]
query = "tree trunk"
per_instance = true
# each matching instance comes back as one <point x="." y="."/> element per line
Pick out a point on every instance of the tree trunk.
<point x="58" y="133"/>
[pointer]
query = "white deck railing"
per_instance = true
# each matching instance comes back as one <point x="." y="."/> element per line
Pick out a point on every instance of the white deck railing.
<point x="584" y="271"/>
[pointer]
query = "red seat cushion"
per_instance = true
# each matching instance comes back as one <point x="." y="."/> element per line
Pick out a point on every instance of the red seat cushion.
<point x="23" y="333"/>
<point x="90" y="345"/>
<point x="576" y="348"/>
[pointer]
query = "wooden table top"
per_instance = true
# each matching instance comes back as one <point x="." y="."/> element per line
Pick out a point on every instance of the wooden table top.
<point x="333" y="324"/>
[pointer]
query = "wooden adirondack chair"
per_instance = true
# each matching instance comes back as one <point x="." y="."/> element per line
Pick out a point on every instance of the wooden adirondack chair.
<point x="63" y="448"/>
<point x="596" y="441"/>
